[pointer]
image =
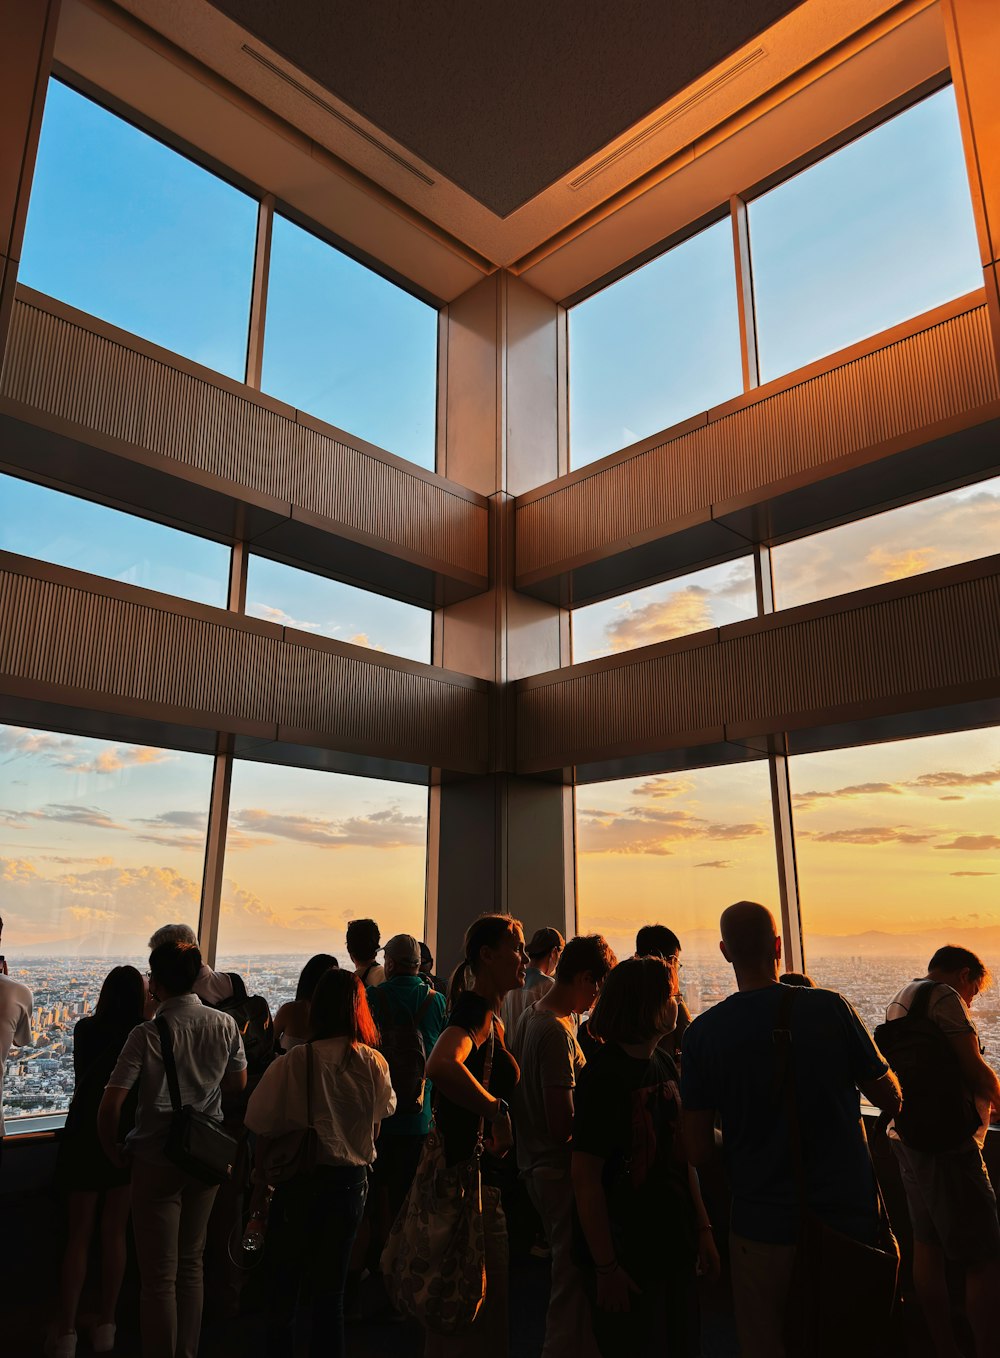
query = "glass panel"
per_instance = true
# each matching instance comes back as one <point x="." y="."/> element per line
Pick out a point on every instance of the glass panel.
<point x="675" y="608"/>
<point x="296" y="598"/>
<point x="128" y="230"/>
<point x="878" y="231"/>
<point x="940" y="531"/>
<point x="100" y="844"/>
<point x="655" y="347"/>
<point x="676" y="850"/>
<point x="70" y="531"/>
<point x="898" y="853"/>
<point x="349" y="347"/>
<point x="307" y="852"/>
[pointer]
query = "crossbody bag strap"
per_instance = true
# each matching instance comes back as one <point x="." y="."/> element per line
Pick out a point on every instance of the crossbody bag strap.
<point x="487" y="1073"/>
<point x="169" y="1066"/>
<point x="309" y="1084"/>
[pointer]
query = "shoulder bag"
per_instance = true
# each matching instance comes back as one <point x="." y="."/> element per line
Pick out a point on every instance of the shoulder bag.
<point x="434" y="1262"/>
<point x="285" y="1157"/>
<point x="196" y="1143"/>
<point x="843" y="1291"/>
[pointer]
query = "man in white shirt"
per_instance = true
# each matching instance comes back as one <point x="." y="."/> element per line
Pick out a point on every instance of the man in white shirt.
<point x="15" y="1022"/>
<point x="543" y="949"/>
<point x="212" y="987"/>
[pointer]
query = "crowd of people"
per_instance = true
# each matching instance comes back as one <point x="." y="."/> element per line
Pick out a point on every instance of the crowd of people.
<point x="302" y="1142"/>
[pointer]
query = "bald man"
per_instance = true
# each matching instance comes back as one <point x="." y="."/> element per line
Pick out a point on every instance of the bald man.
<point x="732" y="1067"/>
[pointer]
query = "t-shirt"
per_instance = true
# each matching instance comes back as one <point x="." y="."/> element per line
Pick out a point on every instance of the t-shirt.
<point x="515" y="1002"/>
<point x="409" y="993"/>
<point x="459" y="1127"/>
<point x="15" y="1024"/>
<point x="546" y="1049"/>
<point x="730" y="1066"/>
<point x="627" y="1114"/>
<point x="949" y="1011"/>
<point x="212" y="987"/>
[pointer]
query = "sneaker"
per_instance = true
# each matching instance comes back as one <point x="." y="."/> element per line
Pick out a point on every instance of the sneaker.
<point x="102" y="1338"/>
<point x="61" y="1345"/>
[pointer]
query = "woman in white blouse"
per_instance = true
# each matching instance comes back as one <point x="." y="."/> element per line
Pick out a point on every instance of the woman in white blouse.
<point x="314" y="1217"/>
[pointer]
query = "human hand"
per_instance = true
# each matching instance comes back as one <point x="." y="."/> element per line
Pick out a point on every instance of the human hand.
<point x="614" y="1289"/>
<point x="502" y="1137"/>
<point x="709" y="1263"/>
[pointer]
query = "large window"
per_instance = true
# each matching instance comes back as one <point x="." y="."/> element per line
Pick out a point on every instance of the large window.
<point x="940" y="531"/>
<point x="312" y="603"/>
<point x="898" y="853"/>
<point x="128" y="230"/>
<point x="676" y="850"/>
<point x="70" y="531"/>
<point x="349" y="347"/>
<point x="676" y="608"/>
<point x="100" y="844"/>
<point x="655" y="347"/>
<point x="879" y="231"/>
<point x="307" y="852"/>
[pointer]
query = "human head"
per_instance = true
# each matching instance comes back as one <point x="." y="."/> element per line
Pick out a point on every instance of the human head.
<point x="961" y="969"/>
<point x="173" y="969"/>
<point x="402" y="955"/>
<point x="123" y="997"/>
<point x="494" y="952"/>
<point x="797" y="978"/>
<point x="584" y="965"/>
<point x="362" y="940"/>
<point x="656" y="940"/>
<point x="310" y="974"/>
<point x="544" y="948"/>
<point x="173" y="933"/>
<point x="339" y="1008"/>
<point x="426" y="959"/>
<point x="750" y="939"/>
<point x="638" y="1001"/>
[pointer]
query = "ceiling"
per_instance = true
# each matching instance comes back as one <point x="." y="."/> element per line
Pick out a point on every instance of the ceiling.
<point x="504" y="97"/>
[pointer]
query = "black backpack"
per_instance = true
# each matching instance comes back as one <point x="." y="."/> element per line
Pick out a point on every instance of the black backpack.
<point x="253" y="1018"/>
<point x="938" y="1112"/>
<point x="402" y="1045"/>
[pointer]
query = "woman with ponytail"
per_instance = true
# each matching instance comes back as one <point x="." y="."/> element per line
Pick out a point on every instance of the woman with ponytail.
<point x="474" y="1075"/>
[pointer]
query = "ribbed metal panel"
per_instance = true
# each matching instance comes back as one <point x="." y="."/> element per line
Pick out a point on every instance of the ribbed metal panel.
<point x="128" y="651"/>
<point x="910" y="385"/>
<point x="928" y="642"/>
<point x="63" y="368"/>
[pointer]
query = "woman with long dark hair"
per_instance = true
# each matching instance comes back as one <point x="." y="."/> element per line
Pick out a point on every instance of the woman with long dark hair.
<point x="474" y="1075"/>
<point x="291" y="1022"/>
<point x="84" y="1171"/>
<point x="314" y="1217"/>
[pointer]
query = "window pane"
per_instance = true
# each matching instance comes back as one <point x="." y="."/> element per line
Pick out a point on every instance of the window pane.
<point x="100" y="844"/>
<point x="675" y="608"/>
<point x="69" y="531"/>
<point x="349" y="347"/>
<point x="898" y="853"/>
<point x="306" y="852"/>
<point x="676" y="850"/>
<point x="879" y="231"/>
<point x="295" y="598"/>
<point x="655" y="347"/>
<point x="940" y="531"/>
<point x="134" y="233"/>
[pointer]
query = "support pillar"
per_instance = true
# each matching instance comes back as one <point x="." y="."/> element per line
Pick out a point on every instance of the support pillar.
<point x="501" y="842"/>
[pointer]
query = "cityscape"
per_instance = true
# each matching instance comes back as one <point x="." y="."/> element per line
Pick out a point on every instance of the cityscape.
<point x="39" y="1077"/>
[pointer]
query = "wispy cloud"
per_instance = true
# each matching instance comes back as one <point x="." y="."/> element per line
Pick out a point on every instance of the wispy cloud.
<point x="75" y="754"/>
<point x="679" y="614"/>
<point x="116" y="759"/>
<point x="871" y="834"/>
<point x="385" y="829"/>
<point x="947" y="778"/>
<point x="64" y="813"/>
<point x="651" y="830"/>
<point x="268" y="613"/>
<point x="663" y="787"/>
<point x="972" y="874"/>
<point x="973" y="843"/>
<point x="897" y="565"/>
<point x="717" y="863"/>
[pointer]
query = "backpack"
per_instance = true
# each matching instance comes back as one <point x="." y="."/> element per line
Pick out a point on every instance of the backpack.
<point x="402" y="1045"/>
<point x="938" y="1112"/>
<point x="253" y="1018"/>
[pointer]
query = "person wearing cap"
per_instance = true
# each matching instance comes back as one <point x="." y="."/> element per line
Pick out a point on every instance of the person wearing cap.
<point x="543" y="949"/>
<point x="427" y="969"/>
<point x="405" y="996"/>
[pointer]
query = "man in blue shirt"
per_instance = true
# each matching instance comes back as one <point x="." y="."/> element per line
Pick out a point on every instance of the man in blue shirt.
<point x="730" y="1068"/>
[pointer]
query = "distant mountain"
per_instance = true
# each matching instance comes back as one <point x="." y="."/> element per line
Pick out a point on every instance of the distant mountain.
<point x="97" y="943"/>
<point x="876" y="942"/>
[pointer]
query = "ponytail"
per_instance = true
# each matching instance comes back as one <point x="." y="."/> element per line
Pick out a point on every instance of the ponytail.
<point x="484" y="932"/>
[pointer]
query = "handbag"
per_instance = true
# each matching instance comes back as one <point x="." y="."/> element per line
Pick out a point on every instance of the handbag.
<point x="280" y="1158"/>
<point x="196" y="1143"/>
<point x="842" y="1292"/>
<point x="434" y="1262"/>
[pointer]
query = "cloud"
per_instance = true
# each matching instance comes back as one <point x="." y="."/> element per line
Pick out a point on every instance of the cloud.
<point x="679" y="614"/>
<point x="871" y="834"/>
<point x="186" y="843"/>
<point x="903" y="562"/>
<point x="63" y="813"/>
<point x="89" y="913"/>
<point x="362" y="639"/>
<point x="972" y="874"/>
<point x="954" y="797"/>
<point x="949" y="779"/>
<point x="663" y="787"/>
<point x="17" y="744"/>
<point x="717" y="863"/>
<point x="278" y="615"/>
<point x="128" y="901"/>
<point x="804" y="800"/>
<point x="178" y="820"/>
<point x="184" y="830"/>
<point x="120" y="757"/>
<point x="65" y="860"/>
<point x="975" y="843"/>
<point x="385" y="829"/>
<point x="18" y="870"/>
<point x="650" y="830"/>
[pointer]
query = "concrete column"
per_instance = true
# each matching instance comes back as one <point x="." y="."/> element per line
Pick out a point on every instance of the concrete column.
<point x="501" y="842"/>
<point x="973" y="33"/>
<point x="27" y="39"/>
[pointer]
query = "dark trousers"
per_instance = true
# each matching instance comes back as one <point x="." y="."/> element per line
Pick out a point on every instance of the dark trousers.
<point x="658" y="1323"/>
<point x="398" y="1157"/>
<point x="311" y="1229"/>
